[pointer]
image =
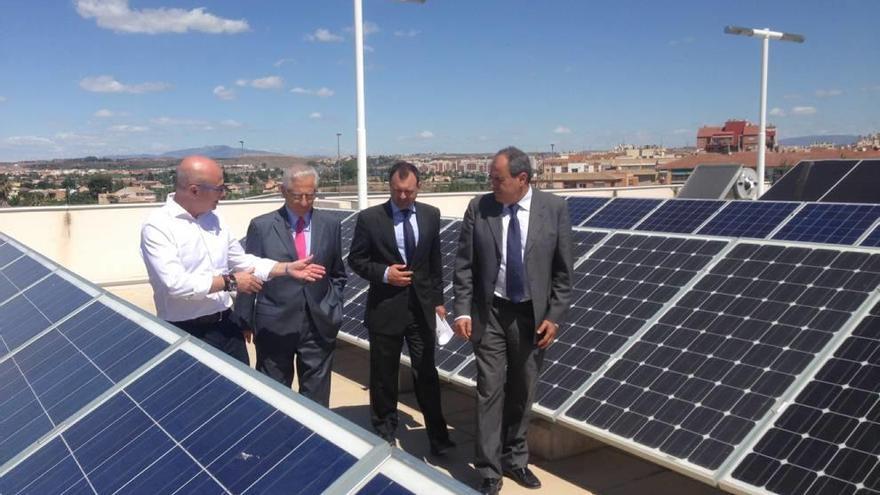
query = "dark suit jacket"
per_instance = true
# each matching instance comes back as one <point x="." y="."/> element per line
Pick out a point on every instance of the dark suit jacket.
<point x="273" y="309"/>
<point x="374" y="248"/>
<point x="548" y="259"/>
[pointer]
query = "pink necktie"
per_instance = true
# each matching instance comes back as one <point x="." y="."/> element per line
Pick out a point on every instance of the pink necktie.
<point x="299" y="239"/>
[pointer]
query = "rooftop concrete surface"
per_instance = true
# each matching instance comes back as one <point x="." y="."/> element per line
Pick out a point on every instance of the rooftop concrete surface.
<point x="603" y="470"/>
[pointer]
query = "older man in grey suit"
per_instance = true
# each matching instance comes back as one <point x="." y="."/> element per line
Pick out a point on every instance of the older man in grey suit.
<point x="512" y="289"/>
<point x="292" y="320"/>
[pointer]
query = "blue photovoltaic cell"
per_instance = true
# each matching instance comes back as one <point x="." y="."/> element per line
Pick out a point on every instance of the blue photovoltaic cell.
<point x="8" y="253"/>
<point x="680" y="215"/>
<point x="353" y="318"/>
<point x="829" y="223"/>
<point x="33" y="311"/>
<point x="183" y="428"/>
<point x="66" y="369"/>
<point x="873" y="239"/>
<point x="584" y="240"/>
<point x="699" y="380"/>
<point x="347" y="232"/>
<point x="828" y="439"/>
<point x="622" y="213"/>
<point x="24" y="272"/>
<point x="748" y="219"/>
<point x="579" y="209"/>
<point x="7" y="290"/>
<point x="381" y="485"/>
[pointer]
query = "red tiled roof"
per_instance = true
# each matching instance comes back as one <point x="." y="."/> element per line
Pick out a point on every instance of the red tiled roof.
<point x="705" y="132"/>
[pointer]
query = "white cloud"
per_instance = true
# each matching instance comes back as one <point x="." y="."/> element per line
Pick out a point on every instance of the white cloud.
<point x="315" y="115"/>
<point x="2" y="99"/>
<point x="268" y="82"/>
<point x="108" y="84"/>
<point x="827" y="93"/>
<point x="231" y="123"/>
<point x="561" y="130"/>
<point x="408" y="33"/>
<point x="104" y="113"/>
<point x="322" y="35"/>
<point x="282" y="61"/>
<point x="426" y="134"/>
<point x="803" y="110"/>
<point x="118" y="16"/>
<point x="171" y="121"/>
<point x="320" y="92"/>
<point x="28" y="141"/>
<point x="128" y="128"/>
<point x="777" y="112"/>
<point x="224" y="93"/>
<point x="369" y="28"/>
<point x="875" y="87"/>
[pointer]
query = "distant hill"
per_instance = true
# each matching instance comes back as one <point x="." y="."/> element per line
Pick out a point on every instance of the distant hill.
<point x="221" y="151"/>
<point x="836" y="139"/>
<point x="217" y="151"/>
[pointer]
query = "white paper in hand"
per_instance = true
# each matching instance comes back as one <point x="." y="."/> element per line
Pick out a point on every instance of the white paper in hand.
<point x="444" y="331"/>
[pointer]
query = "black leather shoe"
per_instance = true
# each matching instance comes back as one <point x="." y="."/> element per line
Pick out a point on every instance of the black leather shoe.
<point x="442" y="448"/>
<point x="490" y="486"/>
<point x="524" y="477"/>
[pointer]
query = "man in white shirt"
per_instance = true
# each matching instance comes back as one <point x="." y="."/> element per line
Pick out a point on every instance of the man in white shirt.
<point x="195" y="262"/>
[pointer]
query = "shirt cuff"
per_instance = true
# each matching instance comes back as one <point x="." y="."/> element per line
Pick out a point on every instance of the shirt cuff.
<point x="462" y="317"/>
<point x="385" y="275"/>
<point x="202" y="287"/>
<point x="263" y="268"/>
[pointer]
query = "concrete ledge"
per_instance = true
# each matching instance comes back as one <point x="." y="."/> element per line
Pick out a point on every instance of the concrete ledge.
<point x="551" y="441"/>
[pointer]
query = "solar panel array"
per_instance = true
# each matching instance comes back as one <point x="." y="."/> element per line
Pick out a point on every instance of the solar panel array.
<point x="98" y="397"/>
<point x="695" y="323"/>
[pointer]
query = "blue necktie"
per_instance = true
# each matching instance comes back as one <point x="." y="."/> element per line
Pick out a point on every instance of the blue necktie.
<point x="515" y="275"/>
<point x="409" y="238"/>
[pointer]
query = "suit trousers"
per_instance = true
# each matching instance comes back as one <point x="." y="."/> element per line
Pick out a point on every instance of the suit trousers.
<point x="508" y="363"/>
<point x="384" y="368"/>
<point x="220" y="331"/>
<point x="304" y="347"/>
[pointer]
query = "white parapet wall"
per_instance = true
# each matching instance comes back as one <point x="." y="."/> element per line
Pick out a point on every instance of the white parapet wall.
<point x="102" y="242"/>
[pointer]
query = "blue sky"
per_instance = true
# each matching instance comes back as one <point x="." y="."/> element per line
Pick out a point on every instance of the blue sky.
<point x="81" y="77"/>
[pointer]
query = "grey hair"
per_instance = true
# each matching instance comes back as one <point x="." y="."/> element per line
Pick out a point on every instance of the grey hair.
<point x="517" y="161"/>
<point x="297" y="171"/>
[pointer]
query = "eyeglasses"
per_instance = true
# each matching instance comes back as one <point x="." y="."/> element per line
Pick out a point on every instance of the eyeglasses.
<point x="222" y="188"/>
<point x="301" y="196"/>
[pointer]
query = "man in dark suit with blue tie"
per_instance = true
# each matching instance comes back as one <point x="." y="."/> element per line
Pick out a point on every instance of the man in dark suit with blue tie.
<point x="295" y="321"/>
<point x="396" y="247"/>
<point x="512" y="282"/>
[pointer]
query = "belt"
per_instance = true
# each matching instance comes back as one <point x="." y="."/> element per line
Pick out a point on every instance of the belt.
<point x="206" y="319"/>
<point x="500" y="301"/>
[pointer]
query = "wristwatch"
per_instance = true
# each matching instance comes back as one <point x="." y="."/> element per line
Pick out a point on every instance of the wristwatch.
<point x="229" y="283"/>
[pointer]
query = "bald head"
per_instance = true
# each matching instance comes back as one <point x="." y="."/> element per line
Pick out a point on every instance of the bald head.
<point x="197" y="170"/>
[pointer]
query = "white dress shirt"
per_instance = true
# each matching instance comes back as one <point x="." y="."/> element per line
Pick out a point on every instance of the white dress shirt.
<point x="183" y="254"/>
<point x="522" y="214"/>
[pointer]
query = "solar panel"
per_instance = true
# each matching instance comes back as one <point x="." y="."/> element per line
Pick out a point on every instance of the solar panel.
<point x="353" y="320"/>
<point x="809" y="180"/>
<point x="347" y="232"/>
<point x="682" y="216"/>
<point x="621" y="285"/>
<point x="622" y="213"/>
<point x="583" y="241"/>
<point x="860" y="185"/>
<point x="748" y="219"/>
<point x="872" y="239"/>
<point x="700" y="379"/>
<point x="829" y="223"/>
<point x="34" y="310"/>
<point x="828" y="439"/>
<point x="580" y="209"/>
<point x="102" y="403"/>
<point x="50" y="379"/>
<point x="24" y="271"/>
<point x="8" y="253"/>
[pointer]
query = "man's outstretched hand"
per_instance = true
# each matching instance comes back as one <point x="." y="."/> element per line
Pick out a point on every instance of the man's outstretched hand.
<point x="305" y="270"/>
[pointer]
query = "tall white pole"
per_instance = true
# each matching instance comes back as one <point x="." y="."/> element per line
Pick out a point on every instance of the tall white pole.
<point x="762" y="131"/>
<point x="361" y="112"/>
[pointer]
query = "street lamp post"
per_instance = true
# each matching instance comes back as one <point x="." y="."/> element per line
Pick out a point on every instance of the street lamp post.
<point x="766" y="35"/>
<point x="338" y="162"/>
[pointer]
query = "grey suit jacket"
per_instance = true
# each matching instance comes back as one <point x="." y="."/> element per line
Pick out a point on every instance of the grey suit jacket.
<point x="548" y="259"/>
<point x="277" y="308"/>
